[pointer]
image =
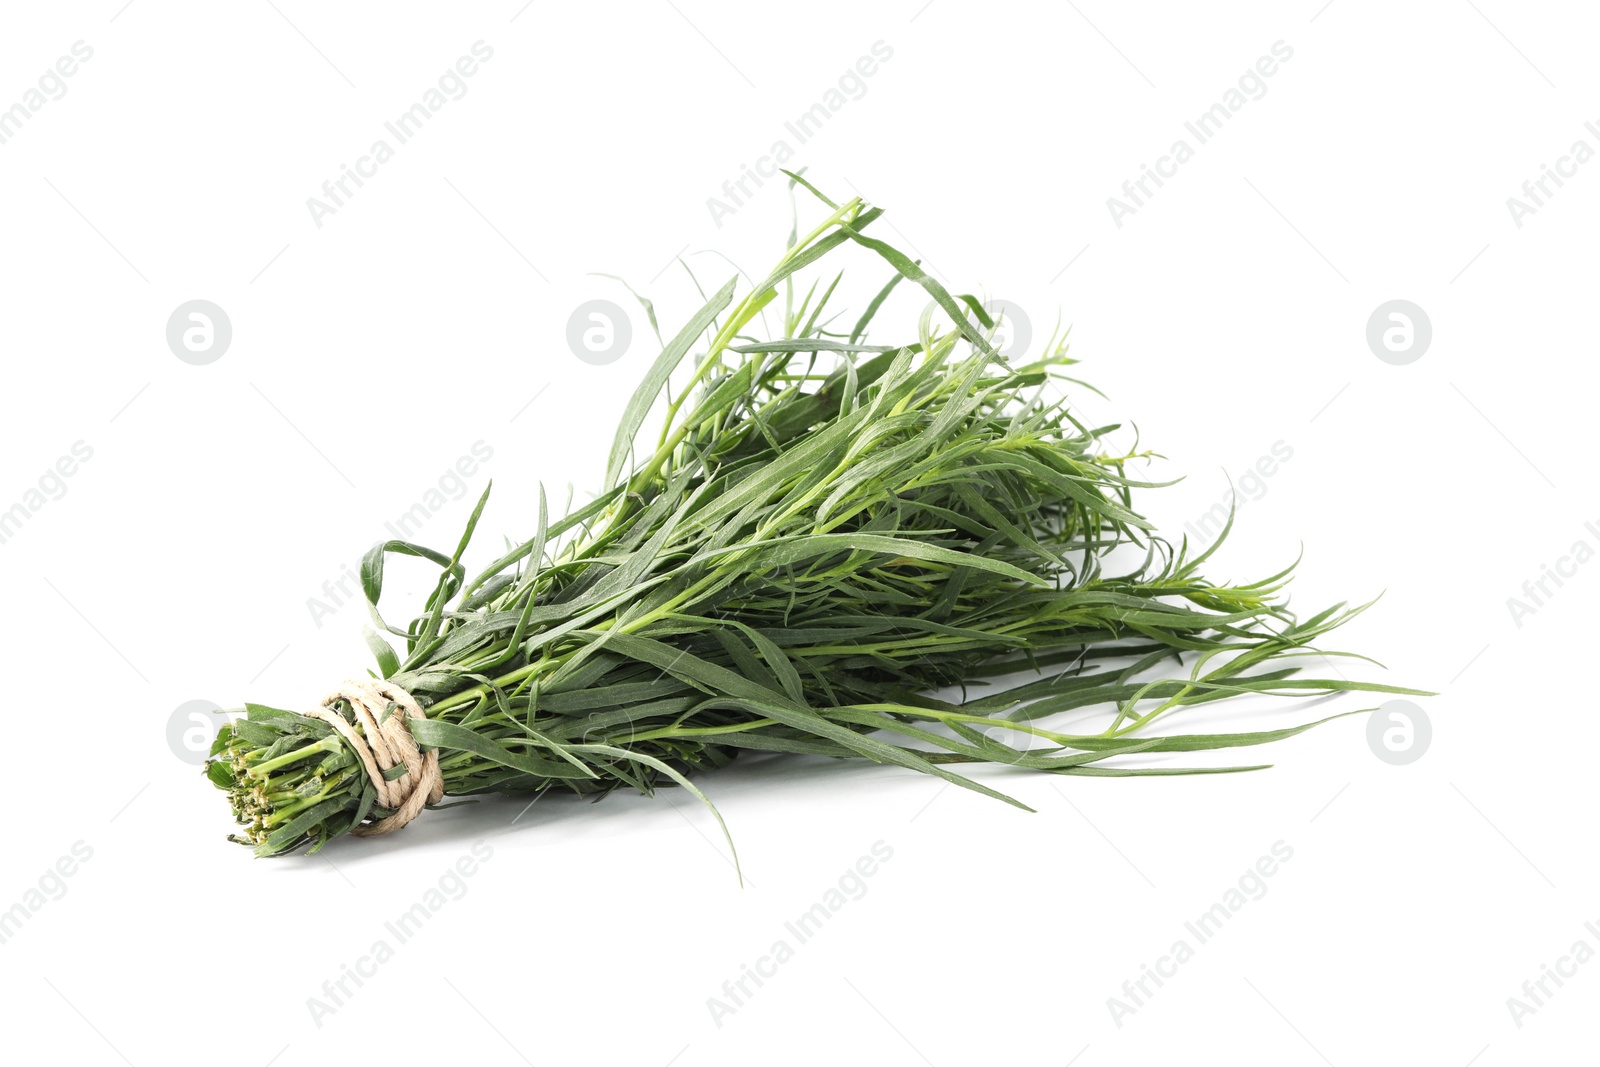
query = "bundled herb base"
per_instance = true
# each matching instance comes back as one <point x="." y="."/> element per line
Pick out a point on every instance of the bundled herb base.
<point x="824" y="533"/>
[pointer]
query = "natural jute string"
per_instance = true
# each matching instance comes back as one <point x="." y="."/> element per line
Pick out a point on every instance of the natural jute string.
<point x="387" y="742"/>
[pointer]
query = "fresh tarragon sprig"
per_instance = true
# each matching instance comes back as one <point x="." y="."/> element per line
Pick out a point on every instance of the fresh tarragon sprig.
<point x="824" y="534"/>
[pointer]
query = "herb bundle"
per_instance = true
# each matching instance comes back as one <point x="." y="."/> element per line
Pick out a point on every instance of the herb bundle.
<point x="824" y="533"/>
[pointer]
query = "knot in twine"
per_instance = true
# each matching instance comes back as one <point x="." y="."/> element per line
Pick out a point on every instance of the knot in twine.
<point x="381" y="709"/>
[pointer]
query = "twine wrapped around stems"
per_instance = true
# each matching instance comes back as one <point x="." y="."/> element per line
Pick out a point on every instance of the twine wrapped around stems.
<point x="384" y="742"/>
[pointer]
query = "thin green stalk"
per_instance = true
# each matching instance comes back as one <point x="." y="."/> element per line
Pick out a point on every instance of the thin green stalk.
<point x="833" y="548"/>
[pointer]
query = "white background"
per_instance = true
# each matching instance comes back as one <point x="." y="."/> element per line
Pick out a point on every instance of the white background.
<point x="429" y="313"/>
